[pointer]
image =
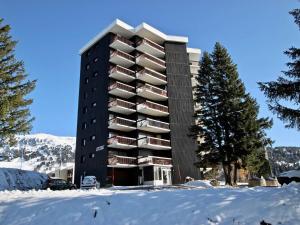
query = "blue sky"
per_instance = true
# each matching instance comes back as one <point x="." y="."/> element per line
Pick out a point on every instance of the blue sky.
<point x="50" y="33"/>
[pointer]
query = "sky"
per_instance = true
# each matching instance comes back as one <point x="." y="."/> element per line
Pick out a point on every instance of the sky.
<point x="50" y="34"/>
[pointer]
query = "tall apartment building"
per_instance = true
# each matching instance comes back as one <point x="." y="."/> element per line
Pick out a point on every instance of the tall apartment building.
<point x="136" y="107"/>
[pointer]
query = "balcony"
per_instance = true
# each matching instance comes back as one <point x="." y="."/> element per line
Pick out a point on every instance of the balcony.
<point x="194" y="69"/>
<point x="121" y="73"/>
<point x="154" y="143"/>
<point x="121" y="90"/>
<point x="121" y="161"/>
<point x="147" y="46"/>
<point x="154" y="126"/>
<point x="121" y="58"/>
<point x="122" y="124"/>
<point x="153" y="109"/>
<point x="121" y="106"/>
<point x="152" y="62"/>
<point x="121" y="142"/>
<point x="151" y="92"/>
<point x="154" y="160"/>
<point x="120" y="43"/>
<point x="194" y="82"/>
<point x="151" y="76"/>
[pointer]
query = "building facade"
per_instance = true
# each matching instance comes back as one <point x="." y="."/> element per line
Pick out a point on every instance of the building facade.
<point x="135" y="107"/>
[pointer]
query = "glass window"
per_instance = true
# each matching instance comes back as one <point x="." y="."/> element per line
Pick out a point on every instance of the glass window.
<point x="94" y="104"/>
<point x="86" y="80"/>
<point x="93" y="138"/>
<point x="82" y="159"/>
<point x="83" y="142"/>
<point x="96" y="59"/>
<point x="94" y="89"/>
<point x="96" y="74"/>
<point x="93" y="120"/>
<point x="85" y="109"/>
<point x="84" y="125"/>
<point x="87" y="67"/>
<point x="85" y="95"/>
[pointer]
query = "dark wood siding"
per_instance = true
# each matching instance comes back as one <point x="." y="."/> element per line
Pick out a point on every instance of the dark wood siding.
<point x="96" y="166"/>
<point x="181" y="112"/>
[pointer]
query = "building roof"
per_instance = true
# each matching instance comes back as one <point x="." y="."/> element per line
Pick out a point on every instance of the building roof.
<point x="142" y="30"/>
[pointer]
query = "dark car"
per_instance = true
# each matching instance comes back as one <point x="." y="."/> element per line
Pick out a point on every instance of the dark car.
<point x="60" y="184"/>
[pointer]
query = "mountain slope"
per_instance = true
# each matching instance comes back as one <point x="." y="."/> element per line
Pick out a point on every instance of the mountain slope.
<point x="41" y="152"/>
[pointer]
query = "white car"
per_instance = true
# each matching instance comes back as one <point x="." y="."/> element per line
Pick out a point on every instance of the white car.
<point x="89" y="182"/>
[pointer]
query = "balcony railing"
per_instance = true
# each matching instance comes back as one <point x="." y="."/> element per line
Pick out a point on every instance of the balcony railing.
<point x="122" y="39"/>
<point x="121" y="86"/>
<point x="154" y="160"/>
<point x="158" y="141"/>
<point x="120" y="69"/>
<point x="121" y="103"/>
<point x="152" y="58"/>
<point x="121" y="54"/>
<point x="154" y="126"/>
<point x="122" y="140"/>
<point x="153" y="73"/>
<point x="151" y="43"/>
<point x="121" y="160"/>
<point x="154" y="143"/>
<point x="151" y="76"/>
<point x="155" y="106"/>
<point x="157" y="123"/>
<point x="154" y="89"/>
<point x="122" y="121"/>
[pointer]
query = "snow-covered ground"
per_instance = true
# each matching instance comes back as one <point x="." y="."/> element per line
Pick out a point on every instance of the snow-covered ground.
<point x="226" y="206"/>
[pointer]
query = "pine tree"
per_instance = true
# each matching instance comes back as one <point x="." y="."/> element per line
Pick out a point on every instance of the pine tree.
<point x="287" y="87"/>
<point x="228" y="125"/>
<point x="14" y="113"/>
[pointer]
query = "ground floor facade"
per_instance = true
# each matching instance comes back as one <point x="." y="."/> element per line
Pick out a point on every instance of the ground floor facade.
<point x="139" y="175"/>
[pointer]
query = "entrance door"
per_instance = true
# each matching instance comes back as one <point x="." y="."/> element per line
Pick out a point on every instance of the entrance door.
<point x="166" y="176"/>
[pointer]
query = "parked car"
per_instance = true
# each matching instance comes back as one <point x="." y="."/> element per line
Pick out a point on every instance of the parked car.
<point x="60" y="184"/>
<point x="89" y="182"/>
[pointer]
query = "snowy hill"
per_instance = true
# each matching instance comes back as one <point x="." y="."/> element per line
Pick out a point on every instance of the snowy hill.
<point x="41" y="152"/>
<point x="283" y="159"/>
<point x="211" y="206"/>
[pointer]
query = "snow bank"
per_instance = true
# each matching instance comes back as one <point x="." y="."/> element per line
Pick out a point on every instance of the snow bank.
<point x="11" y="179"/>
<point x="199" y="183"/>
<point x="290" y="174"/>
<point x="218" y="206"/>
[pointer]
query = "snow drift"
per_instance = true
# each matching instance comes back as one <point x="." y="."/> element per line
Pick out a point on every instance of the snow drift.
<point x="11" y="179"/>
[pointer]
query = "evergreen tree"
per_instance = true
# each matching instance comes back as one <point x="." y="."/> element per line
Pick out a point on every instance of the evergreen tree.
<point x="14" y="113"/>
<point x="257" y="164"/>
<point x="228" y="125"/>
<point x="287" y="87"/>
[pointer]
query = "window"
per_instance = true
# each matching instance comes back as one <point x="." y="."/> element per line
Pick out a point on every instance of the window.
<point x="82" y="159"/>
<point x="93" y="137"/>
<point x="86" y="80"/>
<point x="84" y="110"/>
<point x="87" y="67"/>
<point x="95" y="74"/>
<point x="93" y="120"/>
<point x="94" y="89"/>
<point x="85" y="95"/>
<point x="92" y="155"/>
<point x="96" y="59"/>
<point x="83" y="142"/>
<point x="84" y="125"/>
<point x="94" y="104"/>
<point x="88" y="53"/>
